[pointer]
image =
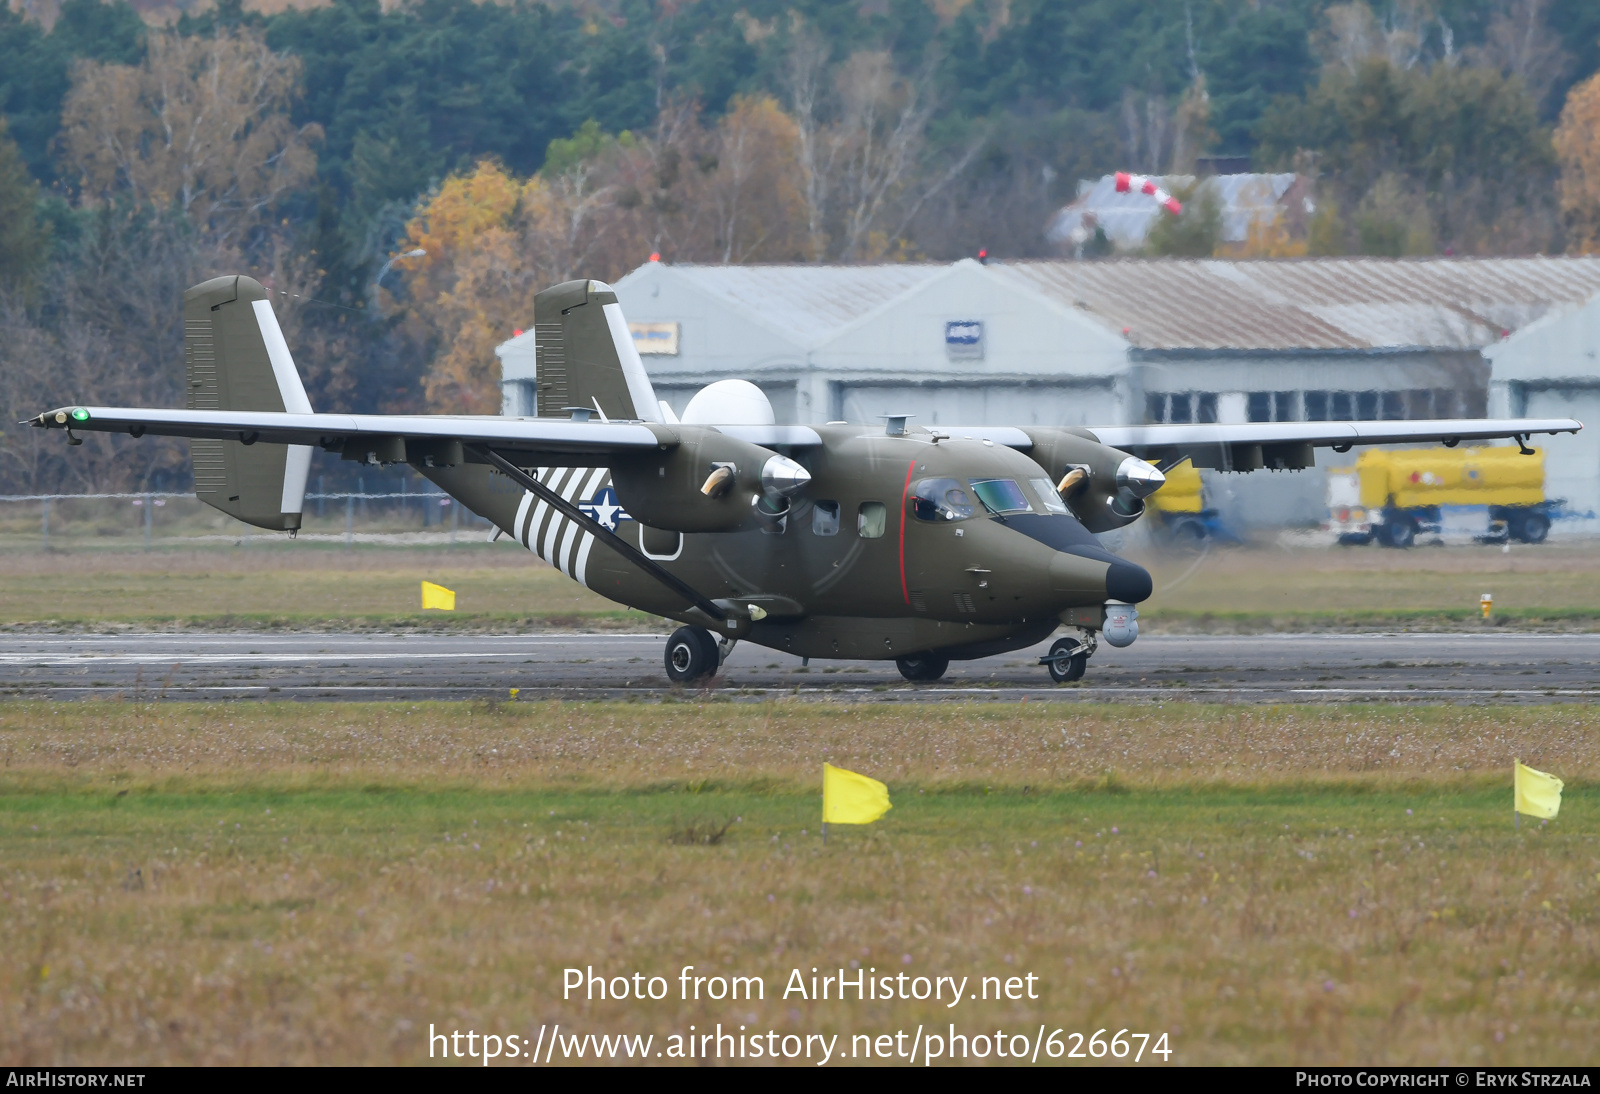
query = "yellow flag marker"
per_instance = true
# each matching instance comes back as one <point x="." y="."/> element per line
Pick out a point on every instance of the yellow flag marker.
<point x="437" y="596"/>
<point x="1537" y="794"/>
<point x="848" y="798"/>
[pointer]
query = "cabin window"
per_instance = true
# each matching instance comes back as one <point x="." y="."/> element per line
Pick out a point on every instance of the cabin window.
<point x="940" y="499"/>
<point x="872" y="519"/>
<point x="825" y="518"/>
<point x="1049" y="495"/>
<point x="1001" y="496"/>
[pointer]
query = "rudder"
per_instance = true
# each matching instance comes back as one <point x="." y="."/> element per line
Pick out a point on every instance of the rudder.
<point x="235" y="358"/>
<point x="585" y="355"/>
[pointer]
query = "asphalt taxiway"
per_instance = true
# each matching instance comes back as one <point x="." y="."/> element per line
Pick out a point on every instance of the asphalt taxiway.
<point x="1491" y="667"/>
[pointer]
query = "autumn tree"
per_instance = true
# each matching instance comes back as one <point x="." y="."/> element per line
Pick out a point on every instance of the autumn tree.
<point x="201" y="124"/>
<point x="1577" y="142"/>
<point x="600" y="206"/>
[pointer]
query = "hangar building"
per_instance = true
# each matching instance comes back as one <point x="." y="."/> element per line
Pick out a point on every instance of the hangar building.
<point x="1121" y="341"/>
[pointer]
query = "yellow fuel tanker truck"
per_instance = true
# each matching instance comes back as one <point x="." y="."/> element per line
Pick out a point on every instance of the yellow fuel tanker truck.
<point x="1392" y="497"/>
<point x="1181" y="510"/>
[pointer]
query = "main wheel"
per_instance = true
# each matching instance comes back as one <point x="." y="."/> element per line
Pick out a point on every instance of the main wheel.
<point x="1070" y="669"/>
<point x="923" y="668"/>
<point x="1402" y="533"/>
<point x="1533" y="528"/>
<point x="691" y="655"/>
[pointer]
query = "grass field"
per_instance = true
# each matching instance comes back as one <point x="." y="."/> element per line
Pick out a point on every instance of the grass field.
<point x="501" y="587"/>
<point x="274" y="883"/>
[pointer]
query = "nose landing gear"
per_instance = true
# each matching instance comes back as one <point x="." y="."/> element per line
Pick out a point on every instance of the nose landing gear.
<point x="1069" y="657"/>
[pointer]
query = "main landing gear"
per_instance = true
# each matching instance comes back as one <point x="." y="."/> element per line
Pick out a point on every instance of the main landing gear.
<point x="922" y="668"/>
<point x="1069" y="658"/>
<point x="694" y="653"/>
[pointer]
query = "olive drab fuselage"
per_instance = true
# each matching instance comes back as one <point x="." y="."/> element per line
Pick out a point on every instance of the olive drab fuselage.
<point x="858" y="568"/>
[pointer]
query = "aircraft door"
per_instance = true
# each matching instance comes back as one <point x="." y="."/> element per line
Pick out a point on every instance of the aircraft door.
<point x="934" y="579"/>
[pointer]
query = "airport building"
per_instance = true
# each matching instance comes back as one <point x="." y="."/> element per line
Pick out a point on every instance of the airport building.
<point x="1134" y="340"/>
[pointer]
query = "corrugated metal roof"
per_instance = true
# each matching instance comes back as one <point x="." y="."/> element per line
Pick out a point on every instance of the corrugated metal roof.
<point x="1203" y="304"/>
<point x="1314" y="304"/>
<point x="807" y="303"/>
<point x="1127" y="218"/>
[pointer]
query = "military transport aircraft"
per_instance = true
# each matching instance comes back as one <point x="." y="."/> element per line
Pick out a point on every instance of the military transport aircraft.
<point x="848" y="540"/>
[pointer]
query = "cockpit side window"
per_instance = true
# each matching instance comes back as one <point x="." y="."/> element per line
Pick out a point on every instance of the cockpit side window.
<point x="1001" y="496"/>
<point x="940" y="499"/>
<point x="1049" y="495"/>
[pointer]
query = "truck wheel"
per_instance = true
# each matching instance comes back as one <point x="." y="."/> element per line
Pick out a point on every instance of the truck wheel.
<point x="1355" y="539"/>
<point x="1532" y="528"/>
<point x="924" y="668"/>
<point x="691" y="655"/>
<point x="1189" y="534"/>
<point x="1402" y="533"/>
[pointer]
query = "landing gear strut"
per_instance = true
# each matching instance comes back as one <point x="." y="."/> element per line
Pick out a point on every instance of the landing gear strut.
<point x="692" y="654"/>
<point x="1069" y="657"/>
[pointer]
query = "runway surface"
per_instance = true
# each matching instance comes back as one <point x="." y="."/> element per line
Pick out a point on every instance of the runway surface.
<point x="1506" y="668"/>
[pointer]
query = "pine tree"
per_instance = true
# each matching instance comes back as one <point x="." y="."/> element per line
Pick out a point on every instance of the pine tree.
<point x="23" y="237"/>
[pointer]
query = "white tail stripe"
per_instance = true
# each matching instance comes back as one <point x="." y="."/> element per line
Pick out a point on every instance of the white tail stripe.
<point x="580" y="568"/>
<point x="297" y="462"/>
<point x="645" y="404"/>
<point x="296" y="469"/>
<point x="290" y="389"/>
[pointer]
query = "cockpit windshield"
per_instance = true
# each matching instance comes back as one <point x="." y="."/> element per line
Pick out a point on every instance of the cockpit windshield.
<point x="940" y="499"/>
<point x="1001" y="496"/>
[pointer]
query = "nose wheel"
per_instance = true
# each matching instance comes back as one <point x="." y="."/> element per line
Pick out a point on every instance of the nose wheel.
<point x="1068" y="659"/>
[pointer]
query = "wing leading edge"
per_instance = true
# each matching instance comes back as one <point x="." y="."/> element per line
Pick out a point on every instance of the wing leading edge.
<point x="376" y="438"/>
<point x="1288" y="445"/>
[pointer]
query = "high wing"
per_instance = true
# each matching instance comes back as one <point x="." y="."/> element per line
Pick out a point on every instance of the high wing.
<point x="374" y="438"/>
<point x="1288" y="445"/>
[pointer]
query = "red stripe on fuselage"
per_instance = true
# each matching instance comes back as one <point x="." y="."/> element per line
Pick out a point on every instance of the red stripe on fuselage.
<point x="905" y="494"/>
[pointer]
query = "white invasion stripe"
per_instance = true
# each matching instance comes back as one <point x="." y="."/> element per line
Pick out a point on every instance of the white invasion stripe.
<point x="530" y="534"/>
<point x="290" y="389"/>
<point x="547" y="540"/>
<point x="580" y="568"/>
<point x="593" y="484"/>
<point x="522" y="511"/>
<point x="549" y="554"/>
<point x="572" y="483"/>
<point x="523" y="529"/>
<point x="566" y="542"/>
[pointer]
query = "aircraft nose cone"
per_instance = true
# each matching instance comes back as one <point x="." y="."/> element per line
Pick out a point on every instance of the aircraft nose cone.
<point x="1138" y="478"/>
<point x="1093" y="573"/>
<point x="1128" y="583"/>
<point x="782" y="476"/>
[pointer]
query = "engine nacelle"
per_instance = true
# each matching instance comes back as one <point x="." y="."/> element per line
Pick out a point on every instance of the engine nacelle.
<point x="1104" y="486"/>
<point x="706" y="482"/>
